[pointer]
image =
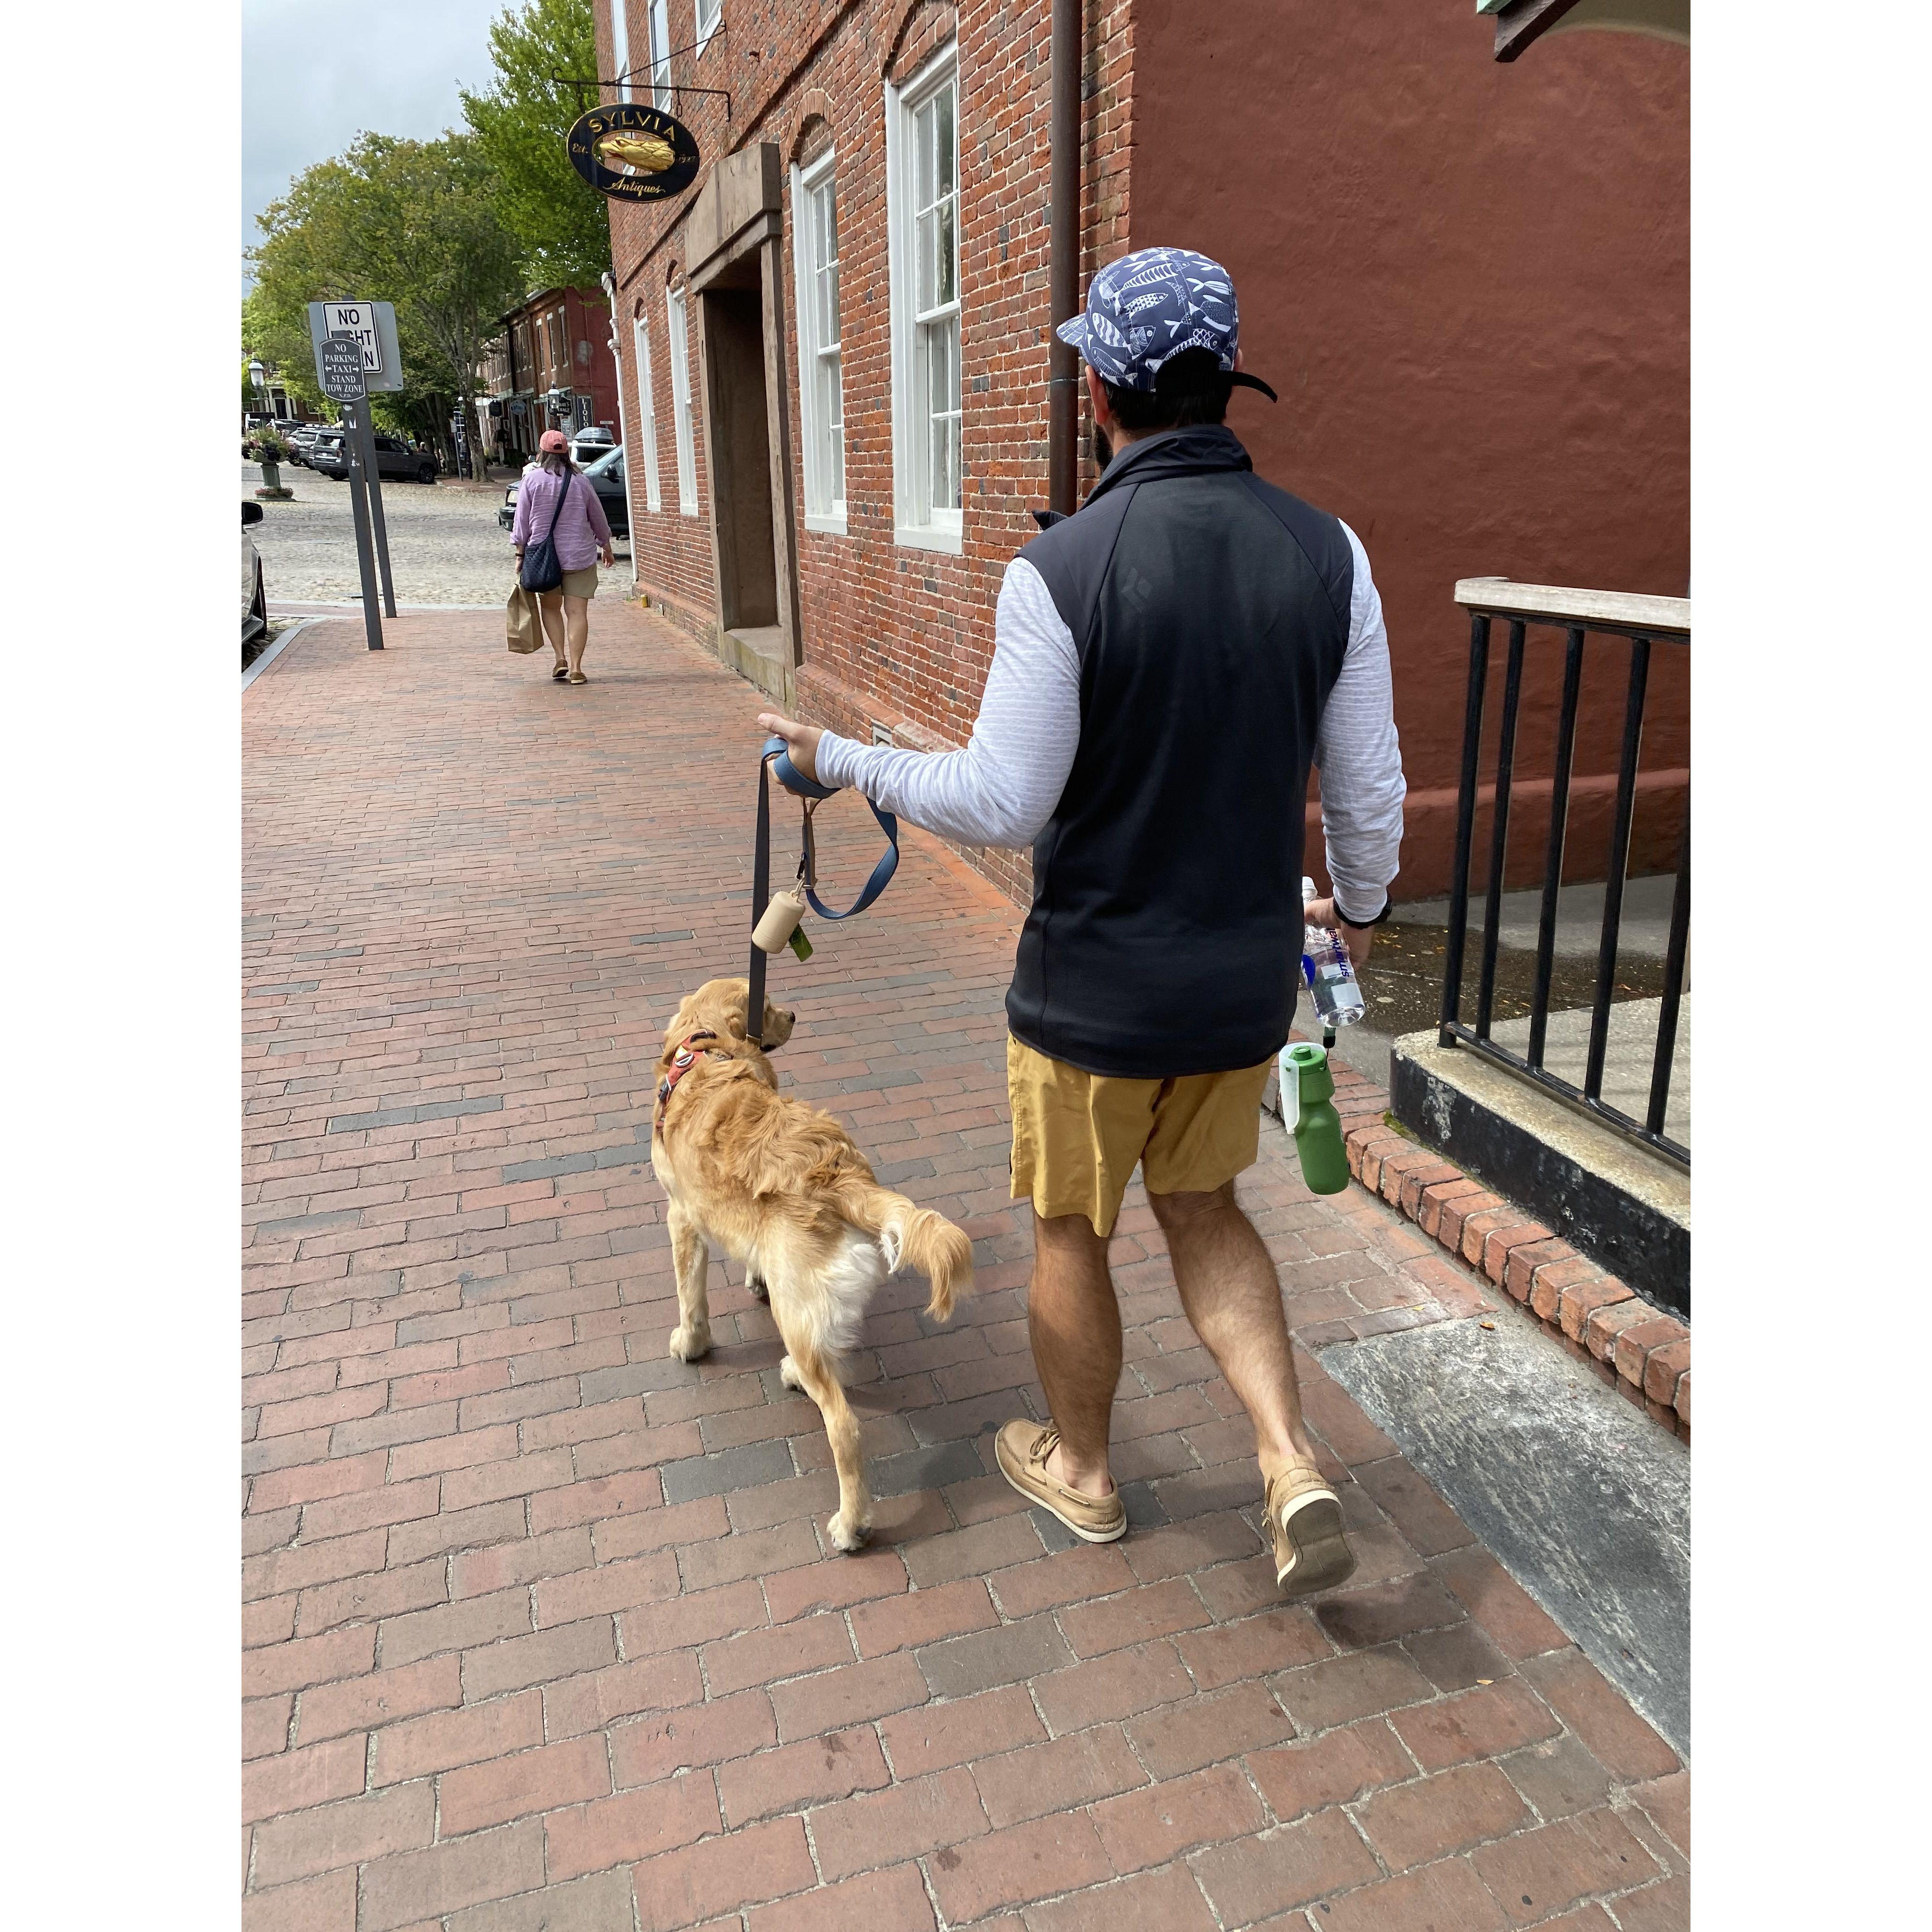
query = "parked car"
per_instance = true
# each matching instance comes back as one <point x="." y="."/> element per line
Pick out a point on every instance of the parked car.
<point x="588" y="445"/>
<point x="254" y="594"/>
<point x="302" y="439"/>
<point x="395" y="460"/>
<point x="605" y="475"/>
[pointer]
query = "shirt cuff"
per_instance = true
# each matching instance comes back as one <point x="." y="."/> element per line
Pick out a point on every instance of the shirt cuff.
<point x="1355" y="913"/>
<point x="835" y="759"/>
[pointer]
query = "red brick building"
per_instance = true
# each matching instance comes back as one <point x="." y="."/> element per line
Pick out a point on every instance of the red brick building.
<point x="551" y="367"/>
<point x="1468" y="280"/>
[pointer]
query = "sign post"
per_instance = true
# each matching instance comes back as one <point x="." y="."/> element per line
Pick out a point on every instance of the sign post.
<point x="338" y="363"/>
<point x="373" y="469"/>
<point x="370" y="327"/>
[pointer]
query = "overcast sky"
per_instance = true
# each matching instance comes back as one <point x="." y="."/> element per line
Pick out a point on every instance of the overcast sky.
<point x="317" y="72"/>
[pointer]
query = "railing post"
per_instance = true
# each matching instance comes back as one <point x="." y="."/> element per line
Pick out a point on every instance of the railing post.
<point x="1465" y="829"/>
<point x="1673" y="985"/>
<point x="1613" y="879"/>
<point x="1552" y="865"/>
<point x="1492" y="914"/>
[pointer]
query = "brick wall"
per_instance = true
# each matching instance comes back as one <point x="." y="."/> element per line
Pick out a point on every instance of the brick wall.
<point x="890" y="634"/>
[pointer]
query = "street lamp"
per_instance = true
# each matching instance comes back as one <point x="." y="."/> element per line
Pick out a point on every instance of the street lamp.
<point x="258" y="374"/>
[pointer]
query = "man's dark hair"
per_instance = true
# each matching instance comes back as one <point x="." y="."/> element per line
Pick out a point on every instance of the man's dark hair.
<point x="1191" y="388"/>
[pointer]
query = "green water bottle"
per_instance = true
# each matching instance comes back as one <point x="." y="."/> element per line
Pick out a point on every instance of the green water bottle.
<point x="1307" y="1110"/>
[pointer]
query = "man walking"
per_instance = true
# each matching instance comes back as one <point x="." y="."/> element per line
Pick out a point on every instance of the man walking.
<point x="1168" y="662"/>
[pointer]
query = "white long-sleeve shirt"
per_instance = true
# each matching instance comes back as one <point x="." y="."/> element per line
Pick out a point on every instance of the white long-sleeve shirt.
<point x="1002" y="788"/>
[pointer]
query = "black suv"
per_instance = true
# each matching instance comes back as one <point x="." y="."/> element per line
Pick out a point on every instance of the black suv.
<point x="395" y="460"/>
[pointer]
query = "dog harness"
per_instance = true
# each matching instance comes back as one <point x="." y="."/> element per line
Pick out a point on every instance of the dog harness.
<point x="682" y="1062"/>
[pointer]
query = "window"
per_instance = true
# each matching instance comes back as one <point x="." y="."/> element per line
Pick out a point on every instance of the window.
<point x="922" y="180"/>
<point x="820" y="395"/>
<point x="680" y="398"/>
<point x="647" y="414"/>
<point x="659" y="28"/>
<point x="709" y="12"/>
<point x="620" y="47"/>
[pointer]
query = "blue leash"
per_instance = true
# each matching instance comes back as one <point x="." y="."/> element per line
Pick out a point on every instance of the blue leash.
<point x="795" y="782"/>
<point x="775" y="758"/>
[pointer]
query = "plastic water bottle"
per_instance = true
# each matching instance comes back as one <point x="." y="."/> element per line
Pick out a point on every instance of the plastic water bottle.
<point x="1330" y="972"/>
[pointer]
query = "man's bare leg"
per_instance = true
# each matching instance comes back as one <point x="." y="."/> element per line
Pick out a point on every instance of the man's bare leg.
<point x="1073" y="1322"/>
<point x="1232" y="1297"/>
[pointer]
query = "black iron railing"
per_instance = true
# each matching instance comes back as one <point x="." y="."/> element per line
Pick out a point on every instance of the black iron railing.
<point x="1644" y="622"/>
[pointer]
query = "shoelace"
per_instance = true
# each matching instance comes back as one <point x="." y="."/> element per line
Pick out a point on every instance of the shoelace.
<point x="1048" y="1442"/>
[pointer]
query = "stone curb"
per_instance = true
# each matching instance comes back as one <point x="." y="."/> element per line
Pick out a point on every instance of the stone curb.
<point x="1648" y="1350"/>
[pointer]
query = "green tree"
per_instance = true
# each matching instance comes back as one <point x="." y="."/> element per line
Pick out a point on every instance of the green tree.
<point x="545" y="56"/>
<point x="413" y="223"/>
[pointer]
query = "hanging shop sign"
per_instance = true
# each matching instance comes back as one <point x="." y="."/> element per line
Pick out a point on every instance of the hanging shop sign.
<point x="633" y="153"/>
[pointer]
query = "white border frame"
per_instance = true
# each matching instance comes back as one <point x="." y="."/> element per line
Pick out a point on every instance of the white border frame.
<point x="806" y="180"/>
<point x="620" y="46"/>
<point x="703" y="32"/>
<point x="950" y="536"/>
<point x="647" y="415"/>
<point x="684" y="426"/>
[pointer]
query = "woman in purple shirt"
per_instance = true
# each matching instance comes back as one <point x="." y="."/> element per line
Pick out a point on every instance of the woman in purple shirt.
<point x="582" y="537"/>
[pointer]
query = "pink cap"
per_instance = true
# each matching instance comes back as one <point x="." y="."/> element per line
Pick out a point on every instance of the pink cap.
<point x="553" y="440"/>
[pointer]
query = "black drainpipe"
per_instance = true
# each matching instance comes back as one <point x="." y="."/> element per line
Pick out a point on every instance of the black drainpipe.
<point x="1062" y="273"/>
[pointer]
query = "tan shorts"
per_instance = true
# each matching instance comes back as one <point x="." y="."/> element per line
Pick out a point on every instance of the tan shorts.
<point x="578" y="582"/>
<point x="1078" y="1136"/>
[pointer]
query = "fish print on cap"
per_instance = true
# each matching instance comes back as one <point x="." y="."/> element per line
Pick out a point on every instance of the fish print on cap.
<point x="1150" y="306"/>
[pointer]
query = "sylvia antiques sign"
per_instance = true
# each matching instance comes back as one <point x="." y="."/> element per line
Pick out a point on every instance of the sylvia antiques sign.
<point x="633" y="153"/>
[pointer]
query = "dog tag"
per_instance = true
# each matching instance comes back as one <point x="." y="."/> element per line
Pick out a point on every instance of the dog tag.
<point x="799" y="943"/>
<point x="780" y="921"/>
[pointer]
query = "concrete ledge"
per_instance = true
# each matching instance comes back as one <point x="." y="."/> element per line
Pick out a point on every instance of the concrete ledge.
<point x="1626" y="1210"/>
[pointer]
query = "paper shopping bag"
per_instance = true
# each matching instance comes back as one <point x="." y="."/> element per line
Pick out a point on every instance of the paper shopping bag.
<point x="525" y="627"/>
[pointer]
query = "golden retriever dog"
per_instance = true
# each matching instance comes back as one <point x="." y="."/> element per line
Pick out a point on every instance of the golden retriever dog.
<point x="781" y="1189"/>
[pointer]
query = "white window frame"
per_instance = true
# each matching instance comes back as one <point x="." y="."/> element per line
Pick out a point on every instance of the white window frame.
<point x="680" y="397"/>
<point x="709" y="13"/>
<point x="915" y="523"/>
<point x="620" y="46"/>
<point x="657" y="33"/>
<point x="647" y="411"/>
<point x="824" y="508"/>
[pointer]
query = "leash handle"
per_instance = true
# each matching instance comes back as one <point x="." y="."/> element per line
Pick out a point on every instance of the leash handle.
<point x="882" y="873"/>
<point x="795" y="780"/>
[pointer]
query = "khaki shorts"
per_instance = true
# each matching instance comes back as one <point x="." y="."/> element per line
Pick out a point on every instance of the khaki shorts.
<point x="578" y="583"/>
<point x="1078" y="1136"/>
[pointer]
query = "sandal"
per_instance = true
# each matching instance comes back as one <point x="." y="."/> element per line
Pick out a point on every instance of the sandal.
<point x="560" y="672"/>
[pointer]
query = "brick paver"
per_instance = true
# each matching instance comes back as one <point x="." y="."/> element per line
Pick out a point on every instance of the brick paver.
<point x="542" y="1629"/>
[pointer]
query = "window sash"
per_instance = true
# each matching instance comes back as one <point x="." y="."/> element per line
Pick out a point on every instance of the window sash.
<point x="927" y="303"/>
<point x="680" y="390"/>
<point x="820" y="369"/>
<point x="709" y="12"/>
<point x="647" y="413"/>
<point x="620" y="47"/>
<point x="658" y="24"/>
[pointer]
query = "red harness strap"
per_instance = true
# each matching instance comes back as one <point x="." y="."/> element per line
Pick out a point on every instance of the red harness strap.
<point x="682" y="1061"/>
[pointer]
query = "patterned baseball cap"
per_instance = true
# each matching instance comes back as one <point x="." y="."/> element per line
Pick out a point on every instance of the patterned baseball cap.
<point x="1148" y="306"/>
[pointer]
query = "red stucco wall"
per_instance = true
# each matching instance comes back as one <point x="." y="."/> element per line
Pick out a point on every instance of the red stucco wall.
<point x="1470" y="284"/>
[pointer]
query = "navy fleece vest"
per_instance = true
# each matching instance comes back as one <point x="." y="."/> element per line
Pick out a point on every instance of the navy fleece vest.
<point x="1211" y="612"/>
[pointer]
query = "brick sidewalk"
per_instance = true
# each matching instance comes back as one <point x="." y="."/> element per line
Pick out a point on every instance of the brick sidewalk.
<point x="541" y="1630"/>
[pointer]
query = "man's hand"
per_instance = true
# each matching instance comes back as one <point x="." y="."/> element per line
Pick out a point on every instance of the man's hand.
<point x="607" y="557"/>
<point x="1358" y="939"/>
<point x="801" y="741"/>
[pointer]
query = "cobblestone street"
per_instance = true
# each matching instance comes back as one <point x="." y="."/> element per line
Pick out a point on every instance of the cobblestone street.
<point x="543" y="1627"/>
<point x="445" y="546"/>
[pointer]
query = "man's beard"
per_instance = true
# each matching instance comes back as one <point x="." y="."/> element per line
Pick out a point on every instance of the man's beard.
<point x="1103" y="447"/>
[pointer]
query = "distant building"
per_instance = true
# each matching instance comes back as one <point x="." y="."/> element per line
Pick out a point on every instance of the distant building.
<point x="551" y="368"/>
